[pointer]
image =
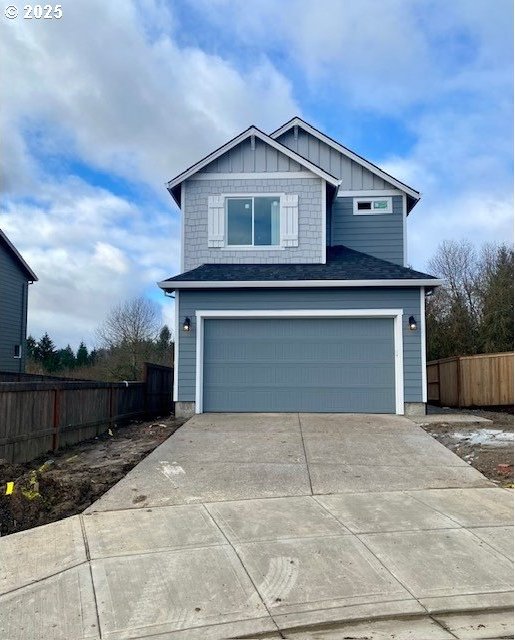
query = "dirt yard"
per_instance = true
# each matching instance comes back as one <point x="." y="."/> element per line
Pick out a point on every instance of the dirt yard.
<point x="488" y="448"/>
<point x="63" y="484"/>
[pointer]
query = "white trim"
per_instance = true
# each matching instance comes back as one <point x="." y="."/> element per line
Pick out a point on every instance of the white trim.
<point x="247" y="247"/>
<point x="405" y="229"/>
<point x="271" y="284"/>
<point x="369" y="193"/>
<point x="183" y="239"/>
<point x="324" y="224"/>
<point x="395" y="314"/>
<point x="372" y="211"/>
<point x="176" y="350"/>
<point x="346" y="152"/>
<point x="278" y="175"/>
<point x="253" y="131"/>
<point x="423" y="342"/>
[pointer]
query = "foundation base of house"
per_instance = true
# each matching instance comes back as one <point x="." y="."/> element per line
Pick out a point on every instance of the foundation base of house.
<point x="184" y="409"/>
<point x="414" y="409"/>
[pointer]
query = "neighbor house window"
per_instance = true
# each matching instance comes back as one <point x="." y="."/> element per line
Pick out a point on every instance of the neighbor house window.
<point x="17" y="351"/>
<point x="372" y="206"/>
<point x="253" y="221"/>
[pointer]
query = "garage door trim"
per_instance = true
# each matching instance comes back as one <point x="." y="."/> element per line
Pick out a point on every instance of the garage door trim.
<point x="395" y="314"/>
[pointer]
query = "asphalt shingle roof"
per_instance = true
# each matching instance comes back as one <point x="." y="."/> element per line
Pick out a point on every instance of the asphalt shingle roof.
<point x="342" y="264"/>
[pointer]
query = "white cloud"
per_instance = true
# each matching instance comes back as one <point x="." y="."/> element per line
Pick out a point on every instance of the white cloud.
<point x="90" y="251"/>
<point x="108" y="82"/>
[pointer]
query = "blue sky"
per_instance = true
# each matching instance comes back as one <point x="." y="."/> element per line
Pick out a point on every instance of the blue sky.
<point x="103" y="106"/>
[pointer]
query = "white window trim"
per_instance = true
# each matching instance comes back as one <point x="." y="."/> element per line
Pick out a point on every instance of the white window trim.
<point x="372" y="212"/>
<point x="18" y="357"/>
<point x="247" y="247"/>
<point x="395" y="314"/>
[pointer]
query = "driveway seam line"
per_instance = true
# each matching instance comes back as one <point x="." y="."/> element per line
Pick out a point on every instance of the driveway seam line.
<point x="392" y="574"/>
<point x="88" y="559"/>
<point x="305" y="454"/>
<point x="462" y="526"/>
<point x="244" y="568"/>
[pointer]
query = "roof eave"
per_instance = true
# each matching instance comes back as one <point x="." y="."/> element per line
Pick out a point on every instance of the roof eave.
<point x="31" y="276"/>
<point x="172" y="285"/>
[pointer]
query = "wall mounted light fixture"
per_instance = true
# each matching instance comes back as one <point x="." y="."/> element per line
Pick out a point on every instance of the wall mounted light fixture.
<point x="412" y="323"/>
<point x="186" y="325"/>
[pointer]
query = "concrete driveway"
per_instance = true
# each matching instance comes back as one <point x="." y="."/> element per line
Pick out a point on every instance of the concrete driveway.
<point x="274" y="525"/>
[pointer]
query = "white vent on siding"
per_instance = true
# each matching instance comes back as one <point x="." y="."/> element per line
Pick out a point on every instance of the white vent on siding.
<point x="290" y="220"/>
<point x="215" y="221"/>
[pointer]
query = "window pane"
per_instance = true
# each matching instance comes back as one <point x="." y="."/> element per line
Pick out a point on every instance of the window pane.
<point x="239" y="221"/>
<point x="266" y="221"/>
<point x="364" y="206"/>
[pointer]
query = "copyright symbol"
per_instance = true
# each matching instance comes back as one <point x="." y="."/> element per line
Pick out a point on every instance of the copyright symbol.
<point x="11" y="12"/>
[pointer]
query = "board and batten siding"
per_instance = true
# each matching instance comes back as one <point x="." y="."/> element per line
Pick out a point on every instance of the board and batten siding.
<point x="13" y="312"/>
<point x="404" y="298"/>
<point x="353" y="175"/>
<point x="380" y="235"/>
<point x="243" y="158"/>
<point x="311" y="244"/>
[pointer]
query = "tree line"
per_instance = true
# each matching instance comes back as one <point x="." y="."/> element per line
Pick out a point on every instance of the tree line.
<point x="473" y="312"/>
<point x="130" y="335"/>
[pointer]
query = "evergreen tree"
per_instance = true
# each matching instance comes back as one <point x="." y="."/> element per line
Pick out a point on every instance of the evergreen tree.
<point x="31" y="347"/>
<point x="66" y="358"/>
<point x="82" y="355"/>
<point x="496" y="327"/>
<point x="46" y="353"/>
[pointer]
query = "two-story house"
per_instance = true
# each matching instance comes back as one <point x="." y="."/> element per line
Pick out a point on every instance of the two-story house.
<point x="294" y="293"/>
<point x="15" y="276"/>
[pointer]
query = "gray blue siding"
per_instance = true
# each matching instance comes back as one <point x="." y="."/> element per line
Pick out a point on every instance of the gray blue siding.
<point x="407" y="299"/>
<point x="196" y="250"/>
<point x="13" y="312"/>
<point x="353" y="175"/>
<point x="244" y="159"/>
<point x="381" y="236"/>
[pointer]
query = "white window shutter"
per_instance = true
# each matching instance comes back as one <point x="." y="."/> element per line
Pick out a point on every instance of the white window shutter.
<point x="290" y="220"/>
<point x="215" y="221"/>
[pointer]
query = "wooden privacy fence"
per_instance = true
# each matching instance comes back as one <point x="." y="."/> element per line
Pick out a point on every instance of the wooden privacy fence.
<point x="36" y="417"/>
<point x="471" y="381"/>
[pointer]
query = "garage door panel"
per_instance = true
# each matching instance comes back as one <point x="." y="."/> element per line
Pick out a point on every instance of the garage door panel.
<point x="322" y="350"/>
<point x="291" y="364"/>
<point x="295" y="374"/>
<point x="334" y="400"/>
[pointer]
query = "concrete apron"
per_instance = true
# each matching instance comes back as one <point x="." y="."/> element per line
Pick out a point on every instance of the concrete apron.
<point x="277" y="525"/>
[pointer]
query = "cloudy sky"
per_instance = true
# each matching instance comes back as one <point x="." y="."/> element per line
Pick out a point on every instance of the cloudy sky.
<point x="104" y="105"/>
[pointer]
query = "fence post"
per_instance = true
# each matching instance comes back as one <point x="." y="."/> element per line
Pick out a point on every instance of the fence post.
<point x="56" y="419"/>
<point x="439" y="384"/>
<point x="458" y="380"/>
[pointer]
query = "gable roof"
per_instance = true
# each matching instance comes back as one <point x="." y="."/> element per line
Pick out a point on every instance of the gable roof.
<point x="296" y="121"/>
<point x="244" y="135"/>
<point x="13" y="251"/>
<point x="344" y="268"/>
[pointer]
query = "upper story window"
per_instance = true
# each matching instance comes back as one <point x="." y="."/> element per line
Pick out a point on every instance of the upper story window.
<point x="253" y="221"/>
<point x="17" y="351"/>
<point x="372" y="206"/>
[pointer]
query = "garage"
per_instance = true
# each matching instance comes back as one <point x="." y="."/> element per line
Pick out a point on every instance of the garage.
<point x="288" y="364"/>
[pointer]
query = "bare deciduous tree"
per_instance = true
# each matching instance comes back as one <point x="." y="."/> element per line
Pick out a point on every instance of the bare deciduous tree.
<point x="128" y="334"/>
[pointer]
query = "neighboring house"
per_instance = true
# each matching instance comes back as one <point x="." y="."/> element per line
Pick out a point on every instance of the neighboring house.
<point x="15" y="277"/>
<point x="294" y="293"/>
